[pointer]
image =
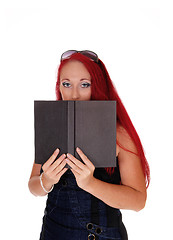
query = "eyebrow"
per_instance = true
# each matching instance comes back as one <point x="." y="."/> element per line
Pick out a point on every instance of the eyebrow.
<point x="82" y="79"/>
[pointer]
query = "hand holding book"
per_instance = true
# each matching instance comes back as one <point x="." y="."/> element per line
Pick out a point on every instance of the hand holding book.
<point x="83" y="171"/>
<point x="53" y="169"/>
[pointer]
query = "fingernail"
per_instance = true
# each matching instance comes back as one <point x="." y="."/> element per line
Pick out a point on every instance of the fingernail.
<point x="57" y="150"/>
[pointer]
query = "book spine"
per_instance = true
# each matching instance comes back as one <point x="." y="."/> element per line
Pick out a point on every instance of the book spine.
<point x="71" y="123"/>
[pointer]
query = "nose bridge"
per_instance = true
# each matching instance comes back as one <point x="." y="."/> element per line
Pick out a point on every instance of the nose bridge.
<point x="75" y="92"/>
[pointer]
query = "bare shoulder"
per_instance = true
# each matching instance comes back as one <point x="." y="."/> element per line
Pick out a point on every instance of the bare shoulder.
<point x="35" y="170"/>
<point x="124" y="140"/>
<point x="129" y="161"/>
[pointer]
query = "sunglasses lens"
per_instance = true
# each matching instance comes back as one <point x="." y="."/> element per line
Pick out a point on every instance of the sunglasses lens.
<point x="67" y="54"/>
<point x="90" y="55"/>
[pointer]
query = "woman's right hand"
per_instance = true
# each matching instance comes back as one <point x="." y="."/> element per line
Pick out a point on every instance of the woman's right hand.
<point x="52" y="172"/>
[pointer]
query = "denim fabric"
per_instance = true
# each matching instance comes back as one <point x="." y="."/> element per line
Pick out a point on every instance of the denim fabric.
<point x="68" y="211"/>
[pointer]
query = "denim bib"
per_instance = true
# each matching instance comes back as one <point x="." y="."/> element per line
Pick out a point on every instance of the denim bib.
<point x="74" y="214"/>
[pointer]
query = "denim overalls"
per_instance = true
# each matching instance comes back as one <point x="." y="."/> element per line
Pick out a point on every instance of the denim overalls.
<point x="74" y="214"/>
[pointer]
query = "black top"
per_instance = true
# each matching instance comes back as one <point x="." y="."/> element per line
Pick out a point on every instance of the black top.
<point x="114" y="178"/>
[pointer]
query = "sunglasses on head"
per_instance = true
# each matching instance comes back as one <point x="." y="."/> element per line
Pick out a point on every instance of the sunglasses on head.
<point x="93" y="56"/>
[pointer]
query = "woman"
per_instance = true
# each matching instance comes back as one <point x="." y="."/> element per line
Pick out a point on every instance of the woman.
<point x="83" y="202"/>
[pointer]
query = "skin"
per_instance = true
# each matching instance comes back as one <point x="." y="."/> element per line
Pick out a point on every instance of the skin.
<point x="75" y="84"/>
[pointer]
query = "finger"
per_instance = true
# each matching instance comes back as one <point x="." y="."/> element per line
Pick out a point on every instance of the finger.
<point x="59" y="167"/>
<point x="73" y="166"/>
<point x="51" y="159"/>
<point x="62" y="172"/>
<point x="76" y="161"/>
<point x="57" y="162"/>
<point x="75" y="173"/>
<point x="84" y="158"/>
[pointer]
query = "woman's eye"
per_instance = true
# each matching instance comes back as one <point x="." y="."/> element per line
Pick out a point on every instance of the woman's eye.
<point x="86" y="85"/>
<point x="65" y="84"/>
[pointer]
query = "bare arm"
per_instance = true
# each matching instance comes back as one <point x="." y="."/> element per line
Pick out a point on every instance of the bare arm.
<point x="131" y="194"/>
<point x="34" y="181"/>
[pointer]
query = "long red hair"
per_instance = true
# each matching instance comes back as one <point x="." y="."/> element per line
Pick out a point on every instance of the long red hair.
<point x="102" y="88"/>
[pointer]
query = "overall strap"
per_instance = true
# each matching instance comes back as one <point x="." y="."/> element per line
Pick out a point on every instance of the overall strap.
<point x="94" y="209"/>
<point x="112" y="217"/>
<point x="115" y="220"/>
<point x="95" y="215"/>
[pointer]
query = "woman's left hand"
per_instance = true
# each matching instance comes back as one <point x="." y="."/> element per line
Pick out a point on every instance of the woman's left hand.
<point x="83" y="172"/>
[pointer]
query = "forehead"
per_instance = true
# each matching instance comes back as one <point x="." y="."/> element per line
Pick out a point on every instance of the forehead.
<point x="74" y="68"/>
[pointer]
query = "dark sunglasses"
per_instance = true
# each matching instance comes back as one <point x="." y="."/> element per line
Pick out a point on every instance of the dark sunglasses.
<point x="93" y="56"/>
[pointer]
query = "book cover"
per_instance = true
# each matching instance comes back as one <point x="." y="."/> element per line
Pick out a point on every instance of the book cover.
<point x="89" y="125"/>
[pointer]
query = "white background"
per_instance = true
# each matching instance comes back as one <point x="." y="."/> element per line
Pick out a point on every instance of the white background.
<point x="134" y="40"/>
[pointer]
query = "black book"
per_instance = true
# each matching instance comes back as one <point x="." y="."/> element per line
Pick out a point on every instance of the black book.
<point x="89" y="125"/>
